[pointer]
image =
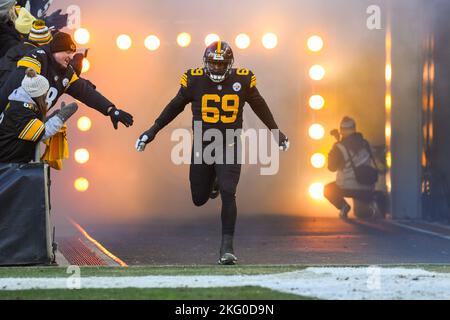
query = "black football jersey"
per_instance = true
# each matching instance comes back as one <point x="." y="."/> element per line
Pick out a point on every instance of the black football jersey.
<point x="218" y="105"/>
<point x="20" y="130"/>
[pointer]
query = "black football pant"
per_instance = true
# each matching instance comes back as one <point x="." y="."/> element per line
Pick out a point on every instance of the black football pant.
<point x="202" y="176"/>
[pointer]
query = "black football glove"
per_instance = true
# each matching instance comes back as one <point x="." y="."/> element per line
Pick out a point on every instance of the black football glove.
<point x="283" y="142"/>
<point x="121" y="116"/>
<point x="147" y="137"/>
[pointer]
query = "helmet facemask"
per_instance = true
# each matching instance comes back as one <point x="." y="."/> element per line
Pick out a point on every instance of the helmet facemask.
<point x="217" y="70"/>
<point x="218" y="61"/>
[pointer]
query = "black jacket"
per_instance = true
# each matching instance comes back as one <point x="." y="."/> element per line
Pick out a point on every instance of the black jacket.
<point x="61" y="81"/>
<point x="9" y="61"/>
<point x="21" y="128"/>
<point x="9" y="37"/>
<point x="353" y="142"/>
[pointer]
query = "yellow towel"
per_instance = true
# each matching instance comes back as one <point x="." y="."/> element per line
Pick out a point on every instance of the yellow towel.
<point x="57" y="149"/>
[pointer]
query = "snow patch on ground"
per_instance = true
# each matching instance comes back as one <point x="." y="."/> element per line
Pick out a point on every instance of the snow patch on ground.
<point x="319" y="282"/>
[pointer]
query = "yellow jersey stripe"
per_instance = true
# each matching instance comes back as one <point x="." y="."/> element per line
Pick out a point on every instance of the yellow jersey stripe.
<point x="33" y="131"/>
<point x="183" y="80"/>
<point x="29" y="64"/>
<point x="38" y="133"/>
<point x="25" y="130"/>
<point x="32" y="60"/>
<point x="30" y="134"/>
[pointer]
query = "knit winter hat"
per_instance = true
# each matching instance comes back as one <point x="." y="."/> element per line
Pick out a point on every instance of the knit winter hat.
<point x="348" y="123"/>
<point x="40" y="33"/>
<point x="5" y="6"/>
<point x="62" y="42"/>
<point x="34" y="84"/>
<point x="24" y="21"/>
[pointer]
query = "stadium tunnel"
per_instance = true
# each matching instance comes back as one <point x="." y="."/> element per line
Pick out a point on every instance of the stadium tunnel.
<point x="420" y="166"/>
<point x="393" y="80"/>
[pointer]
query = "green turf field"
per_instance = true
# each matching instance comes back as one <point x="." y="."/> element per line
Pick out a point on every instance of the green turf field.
<point x="235" y="293"/>
<point x="28" y="272"/>
<point x="231" y="293"/>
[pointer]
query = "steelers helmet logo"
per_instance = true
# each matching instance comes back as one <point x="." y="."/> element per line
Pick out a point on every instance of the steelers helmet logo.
<point x="65" y="82"/>
<point x="237" y="86"/>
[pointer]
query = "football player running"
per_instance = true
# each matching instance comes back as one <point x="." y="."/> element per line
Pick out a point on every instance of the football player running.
<point x="217" y="93"/>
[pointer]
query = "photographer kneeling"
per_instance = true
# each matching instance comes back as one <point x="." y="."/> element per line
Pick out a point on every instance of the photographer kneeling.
<point x="357" y="174"/>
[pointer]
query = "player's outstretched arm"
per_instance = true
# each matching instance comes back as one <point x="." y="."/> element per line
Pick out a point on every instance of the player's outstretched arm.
<point x="84" y="91"/>
<point x="170" y="112"/>
<point x="261" y="109"/>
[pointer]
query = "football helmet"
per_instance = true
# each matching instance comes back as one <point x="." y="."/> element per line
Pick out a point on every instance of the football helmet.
<point x="218" y="60"/>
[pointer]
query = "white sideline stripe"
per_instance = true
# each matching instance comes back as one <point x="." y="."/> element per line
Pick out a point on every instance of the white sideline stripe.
<point x="321" y="282"/>
<point x="431" y="233"/>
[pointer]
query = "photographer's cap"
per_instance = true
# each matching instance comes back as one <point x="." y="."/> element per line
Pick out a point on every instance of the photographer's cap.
<point x="348" y="123"/>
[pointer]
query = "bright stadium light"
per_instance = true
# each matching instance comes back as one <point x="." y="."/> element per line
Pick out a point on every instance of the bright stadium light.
<point x="315" y="43"/>
<point x="81" y="184"/>
<point x="388" y="131"/>
<point x="152" y="42"/>
<point x="86" y="65"/>
<point x="388" y="102"/>
<point x="184" y="39"/>
<point x="210" y="38"/>
<point x="388" y="72"/>
<point x="81" y="155"/>
<point x="82" y="36"/>
<point x="389" y="159"/>
<point x="242" y="41"/>
<point x="270" y="40"/>
<point x="124" y="42"/>
<point x="84" y="123"/>
<point x="318" y="160"/>
<point x="316" y="102"/>
<point x="316" y="191"/>
<point x="316" y="131"/>
<point x="317" y="72"/>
